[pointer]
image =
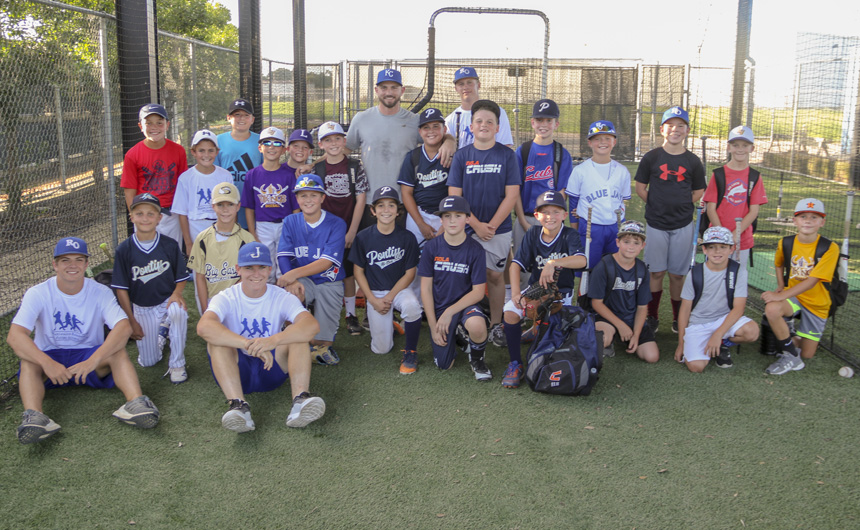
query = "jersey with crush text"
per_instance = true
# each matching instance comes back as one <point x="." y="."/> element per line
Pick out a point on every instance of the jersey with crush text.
<point x="454" y="269"/>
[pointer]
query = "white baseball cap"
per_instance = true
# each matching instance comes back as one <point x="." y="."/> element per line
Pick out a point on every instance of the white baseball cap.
<point x="742" y="133"/>
<point x="204" y="134"/>
<point x="272" y="133"/>
<point x="328" y="128"/>
<point x="809" y="206"/>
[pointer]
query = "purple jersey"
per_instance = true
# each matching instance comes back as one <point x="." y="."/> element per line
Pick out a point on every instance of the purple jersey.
<point x="270" y="193"/>
<point x="454" y="269"/>
<point x="539" y="175"/>
<point x="534" y="252"/>
<point x="149" y="273"/>
<point x="483" y="175"/>
<point x="385" y="258"/>
<point x="302" y="244"/>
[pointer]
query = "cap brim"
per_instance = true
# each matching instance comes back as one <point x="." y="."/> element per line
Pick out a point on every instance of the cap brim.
<point x="809" y="211"/>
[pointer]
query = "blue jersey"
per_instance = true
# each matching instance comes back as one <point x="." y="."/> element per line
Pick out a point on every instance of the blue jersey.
<point x="150" y="276"/>
<point x="454" y="269"/>
<point x="302" y="244"/>
<point x="483" y="175"/>
<point x="238" y="158"/>
<point x="429" y="184"/>
<point x="385" y="258"/>
<point x="539" y="175"/>
<point x="534" y="252"/>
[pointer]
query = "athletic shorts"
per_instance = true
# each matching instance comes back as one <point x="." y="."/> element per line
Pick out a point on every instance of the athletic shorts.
<point x="497" y="250"/>
<point x="697" y="336"/>
<point x="811" y="325"/>
<point x="669" y="250"/>
<point x="254" y="377"/>
<point x="328" y="301"/>
<point x="443" y="356"/>
<point x="71" y="357"/>
<point x="645" y="336"/>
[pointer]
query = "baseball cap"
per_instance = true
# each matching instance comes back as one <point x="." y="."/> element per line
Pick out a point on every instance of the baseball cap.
<point x="465" y="72"/>
<point x="70" y="245"/>
<point x="152" y="108"/>
<point x="225" y="192"/>
<point x="545" y="108"/>
<point x="718" y="234"/>
<point x="453" y="203"/>
<point x="486" y="104"/>
<point x="675" y="112"/>
<point x="309" y="182"/>
<point x="550" y="198"/>
<point x="809" y="206"/>
<point x="601" y="127"/>
<point x="389" y="74"/>
<point x="254" y="253"/>
<point x="430" y="115"/>
<point x="385" y="192"/>
<point x="328" y="128"/>
<point x="240" y="104"/>
<point x="301" y="135"/>
<point x="204" y="134"/>
<point x="742" y="133"/>
<point x="272" y="133"/>
<point x="145" y="198"/>
<point x="633" y="228"/>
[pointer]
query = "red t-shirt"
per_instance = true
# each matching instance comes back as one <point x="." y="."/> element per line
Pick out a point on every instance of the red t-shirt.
<point x="734" y="203"/>
<point x="154" y="170"/>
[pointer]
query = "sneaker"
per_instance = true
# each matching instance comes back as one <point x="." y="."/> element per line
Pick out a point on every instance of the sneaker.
<point x="325" y="355"/>
<point x="238" y="418"/>
<point x="306" y="408"/>
<point x="482" y="371"/>
<point x="724" y="359"/>
<point x="139" y="412"/>
<point x="409" y="364"/>
<point x="675" y="327"/>
<point x="35" y="427"/>
<point x="365" y="323"/>
<point x="177" y="375"/>
<point x="529" y="335"/>
<point x="398" y="328"/>
<point x="609" y="351"/>
<point x="785" y="362"/>
<point x="497" y="336"/>
<point x="653" y="323"/>
<point x="513" y="375"/>
<point x="352" y="325"/>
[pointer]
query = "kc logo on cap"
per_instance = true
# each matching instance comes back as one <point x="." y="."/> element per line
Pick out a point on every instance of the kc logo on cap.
<point x="389" y="73"/>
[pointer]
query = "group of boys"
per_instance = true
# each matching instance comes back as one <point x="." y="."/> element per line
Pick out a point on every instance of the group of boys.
<point x="307" y="238"/>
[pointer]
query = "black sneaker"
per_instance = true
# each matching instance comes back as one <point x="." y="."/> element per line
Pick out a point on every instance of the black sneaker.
<point x="724" y="359"/>
<point x="653" y="323"/>
<point x="675" y="327"/>
<point x="352" y="325"/>
<point x="238" y="417"/>
<point x="482" y="371"/>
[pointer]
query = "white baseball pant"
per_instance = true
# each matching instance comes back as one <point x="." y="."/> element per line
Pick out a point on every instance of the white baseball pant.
<point x="149" y="319"/>
<point x="382" y="326"/>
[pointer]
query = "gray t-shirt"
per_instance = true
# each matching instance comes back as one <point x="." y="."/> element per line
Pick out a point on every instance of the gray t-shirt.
<point x="713" y="304"/>
<point x="384" y="142"/>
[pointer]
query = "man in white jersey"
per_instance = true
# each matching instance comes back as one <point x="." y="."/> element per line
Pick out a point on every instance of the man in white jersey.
<point x="68" y="313"/>
<point x="467" y="85"/>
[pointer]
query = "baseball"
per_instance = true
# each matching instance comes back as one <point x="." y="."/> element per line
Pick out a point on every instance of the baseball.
<point x="846" y="371"/>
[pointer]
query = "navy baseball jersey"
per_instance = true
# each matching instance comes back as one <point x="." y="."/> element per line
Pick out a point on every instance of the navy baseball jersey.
<point x="149" y="270"/>
<point x="385" y="258"/>
<point x="429" y="184"/>
<point x="671" y="180"/>
<point x="483" y="175"/>
<point x="454" y="269"/>
<point x="302" y="244"/>
<point x="534" y="252"/>
<point x="627" y="292"/>
<point x="539" y="176"/>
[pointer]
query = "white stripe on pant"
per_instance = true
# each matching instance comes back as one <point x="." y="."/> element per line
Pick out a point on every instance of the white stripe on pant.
<point x="149" y="319"/>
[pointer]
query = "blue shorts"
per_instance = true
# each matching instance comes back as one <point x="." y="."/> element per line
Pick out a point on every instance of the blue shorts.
<point x="443" y="356"/>
<point x="254" y="377"/>
<point x="72" y="357"/>
<point x="602" y="242"/>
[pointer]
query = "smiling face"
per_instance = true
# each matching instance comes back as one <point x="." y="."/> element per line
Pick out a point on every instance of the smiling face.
<point x="272" y="149"/>
<point x="432" y="133"/>
<point x="154" y="128"/>
<point x="740" y="151"/>
<point x="630" y="246"/>
<point x="717" y="253"/>
<point x="253" y="279"/>
<point x="468" y="89"/>
<point x="602" y="144"/>
<point x="389" y="94"/>
<point x="241" y="121"/>
<point x="333" y="144"/>
<point x="226" y="211"/>
<point x="550" y="217"/>
<point x="484" y="126"/>
<point x="385" y="211"/>
<point x="204" y="153"/>
<point x="145" y="218"/>
<point x="299" y="151"/>
<point x="544" y="127"/>
<point x="310" y="202"/>
<point x="70" y="269"/>
<point x="674" y="131"/>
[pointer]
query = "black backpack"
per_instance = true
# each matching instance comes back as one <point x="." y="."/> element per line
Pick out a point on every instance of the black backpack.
<point x="720" y="182"/>
<point x="698" y="272"/>
<point x="837" y="288"/>
<point x="556" y="158"/>
<point x="584" y="301"/>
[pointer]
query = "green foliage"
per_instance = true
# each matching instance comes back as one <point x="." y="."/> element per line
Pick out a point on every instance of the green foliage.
<point x="198" y="19"/>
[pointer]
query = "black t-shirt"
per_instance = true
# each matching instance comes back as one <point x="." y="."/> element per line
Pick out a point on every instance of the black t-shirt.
<point x="671" y="180"/>
<point x="625" y="295"/>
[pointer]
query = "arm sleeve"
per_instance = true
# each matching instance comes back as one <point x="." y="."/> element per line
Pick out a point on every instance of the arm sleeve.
<point x="335" y="242"/>
<point x="425" y="262"/>
<point x="455" y="173"/>
<point x="28" y="313"/>
<point x="625" y="183"/>
<point x="513" y="169"/>
<point x="119" y="279"/>
<point x="778" y="255"/>
<point x="759" y="196"/>
<point x="247" y="197"/>
<point x="643" y="170"/>
<point x="564" y="171"/>
<point x="285" y="247"/>
<point x="407" y="172"/>
<point x="504" y="135"/>
<point x="353" y="138"/>
<point x="741" y="290"/>
<point x="825" y="267"/>
<point x="687" y="293"/>
<point x="711" y="191"/>
<point x="597" y="282"/>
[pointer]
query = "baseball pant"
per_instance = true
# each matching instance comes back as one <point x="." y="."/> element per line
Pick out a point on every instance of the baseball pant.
<point x="269" y="234"/>
<point x="436" y="222"/>
<point x="150" y="319"/>
<point x="169" y="226"/>
<point x="382" y="327"/>
<point x="328" y="301"/>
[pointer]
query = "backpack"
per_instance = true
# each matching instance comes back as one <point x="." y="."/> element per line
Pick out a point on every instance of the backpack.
<point x="698" y="273"/>
<point x="837" y="287"/>
<point x="720" y="182"/>
<point x="351" y="164"/>
<point x="566" y="358"/>
<point x="556" y="158"/>
<point x="641" y="272"/>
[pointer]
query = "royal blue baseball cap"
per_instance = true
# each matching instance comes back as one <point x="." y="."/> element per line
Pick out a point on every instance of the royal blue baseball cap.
<point x="309" y="182"/>
<point x="430" y="115"/>
<point x="550" y="198"/>
<point x="453" y="203"/>
<point x="675" y="112"/>
<point x="601" y="127"/>
<point x="301" y="135"/>
<point x="152" y="108"/>
<point x="465" y="72"/>
<point x="254" y="253"/>
<point x="545" y="108"/>
<point x="70" y="245"/>
<point x="389" y="74"/>
<point x="385" y="192"/>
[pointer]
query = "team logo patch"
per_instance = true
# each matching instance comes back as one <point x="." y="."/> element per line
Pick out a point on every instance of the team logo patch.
<point x="543" y="107"/>
<point x="679" y="174"/>
<point x="71" y="322"/>
<point x="389" y="73"/>
<point x="736" y="193"/>
<point x="256" y="329"/>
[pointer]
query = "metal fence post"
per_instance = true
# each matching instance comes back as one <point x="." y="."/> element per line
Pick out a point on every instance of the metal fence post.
<point x="58" y="108"/>
<point x="194" y="106"/>
<point x="270" y="92"/>
<point x="103" y="52"/>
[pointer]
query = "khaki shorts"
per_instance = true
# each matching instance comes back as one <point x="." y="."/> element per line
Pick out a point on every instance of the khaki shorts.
<point x="497" y="250"/>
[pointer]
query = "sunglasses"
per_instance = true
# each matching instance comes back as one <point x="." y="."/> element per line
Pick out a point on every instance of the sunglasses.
<point x="272" y="143"/>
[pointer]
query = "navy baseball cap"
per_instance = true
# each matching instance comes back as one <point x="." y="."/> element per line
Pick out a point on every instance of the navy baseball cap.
<point x="145" y="198"/>
<point x="385" y="192"/>
<point x="430" y="115"/>
<point x="550" y="198"/>
<point x="675" y="112"/>
<point x="486" y="104"/>
<point x="301" y="135"/>
<point x="389" y="74"/>
<point x="309" y="182"/>
<point x="545" y="108"/>
<point x="70" y="245"/>
<point x="465" y="72"/>
<point x="152" y="108"/>
<point x="254" y="253"/>
<point x="240" y="104"/>
<point x="601" y="127"/>
<point x="453" y="203"/>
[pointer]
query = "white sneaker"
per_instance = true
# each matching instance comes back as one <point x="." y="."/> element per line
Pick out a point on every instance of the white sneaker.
<point x="238" y="418"/>
<point x="177" y="375"/>
<point x="785" y="363"/>
<point x="306" y="408"/>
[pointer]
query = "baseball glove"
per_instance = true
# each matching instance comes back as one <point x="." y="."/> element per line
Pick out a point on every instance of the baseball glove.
<point x="538" y="301"/>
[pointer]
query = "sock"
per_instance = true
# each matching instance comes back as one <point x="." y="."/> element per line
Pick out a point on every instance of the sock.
<point x="654" y="304"/>
<point x="788" y="346"/>
<point x="513" y="333"/>
<point x="349" y="303"/>
<point x="412" y="330"/>
<point x="728" y="344"/>
<point x="477" y="350"/>
<point x="676" y="306"/>
<point x="507" y="293"/>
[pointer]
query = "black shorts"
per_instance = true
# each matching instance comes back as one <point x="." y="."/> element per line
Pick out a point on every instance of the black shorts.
<point x="647" y="334"/>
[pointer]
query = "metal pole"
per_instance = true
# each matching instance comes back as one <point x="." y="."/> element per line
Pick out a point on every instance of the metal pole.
<point x="270" y="92"/>
<point x="60" y="142"/>
<point x="300" y="80"/>
<point x="103" y="52"/>
<point x="794" y="106"/>
<point x="751" y="92"/>
<point x="194" y="104"/>
<point x="517" y="105"/>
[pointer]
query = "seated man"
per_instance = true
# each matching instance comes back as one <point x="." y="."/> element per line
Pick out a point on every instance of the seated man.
<point x="248" y="350"/>
<point x="68" y="313"/>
